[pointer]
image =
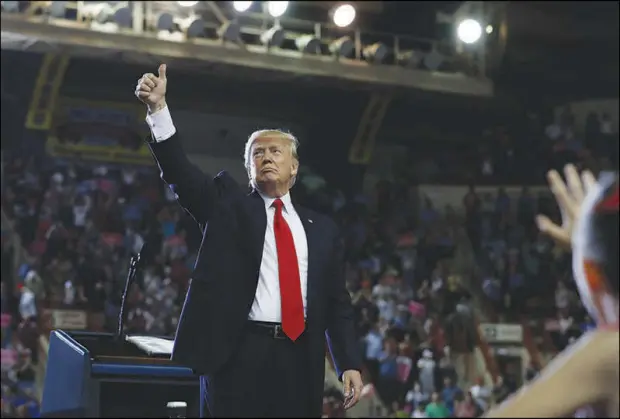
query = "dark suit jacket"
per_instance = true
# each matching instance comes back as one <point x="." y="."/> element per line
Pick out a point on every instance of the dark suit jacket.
<point x="225" y="277"/>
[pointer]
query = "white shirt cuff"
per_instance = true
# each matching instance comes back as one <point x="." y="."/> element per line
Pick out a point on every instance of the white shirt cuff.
<point x="161" y="124"/>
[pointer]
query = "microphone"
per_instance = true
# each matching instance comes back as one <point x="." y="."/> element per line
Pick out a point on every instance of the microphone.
<point x="135" y="263"/>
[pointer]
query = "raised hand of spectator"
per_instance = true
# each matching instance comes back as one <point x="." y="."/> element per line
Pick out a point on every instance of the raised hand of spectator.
<point x="569" y="195"/>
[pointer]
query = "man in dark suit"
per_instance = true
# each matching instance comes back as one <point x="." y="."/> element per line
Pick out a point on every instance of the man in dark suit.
<point x="267" y="286"/>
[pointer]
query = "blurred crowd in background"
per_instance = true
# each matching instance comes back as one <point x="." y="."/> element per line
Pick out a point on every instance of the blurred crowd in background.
<point x="420" y="274"/>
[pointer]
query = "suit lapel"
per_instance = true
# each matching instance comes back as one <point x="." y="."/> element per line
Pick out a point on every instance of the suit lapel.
<point x="313" y="239"/>
<point x="258" y="217"/>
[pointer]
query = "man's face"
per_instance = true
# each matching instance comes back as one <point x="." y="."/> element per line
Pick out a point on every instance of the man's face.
<point x="272" y="160"/>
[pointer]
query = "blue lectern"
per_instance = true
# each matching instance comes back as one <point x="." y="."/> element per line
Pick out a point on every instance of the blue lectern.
<point x="97" y="375"/>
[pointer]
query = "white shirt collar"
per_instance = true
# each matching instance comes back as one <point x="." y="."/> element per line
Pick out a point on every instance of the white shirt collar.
<point x="286" y="200"/>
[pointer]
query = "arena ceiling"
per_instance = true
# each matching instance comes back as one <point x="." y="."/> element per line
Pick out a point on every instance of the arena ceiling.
<point x="555" y="51"/>
<point x="556" y="48"/>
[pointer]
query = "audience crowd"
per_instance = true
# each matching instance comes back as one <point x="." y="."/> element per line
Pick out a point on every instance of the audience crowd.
<point x="517" y="153"/>
<point x="415" y="272"/>
<point x="18" y="347"/>
<point x="78" y="226"/>
<point x="414" y="279"/>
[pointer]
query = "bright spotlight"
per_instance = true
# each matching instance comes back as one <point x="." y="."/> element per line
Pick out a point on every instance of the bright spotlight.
<point x="187" y="3"/>
<point x="343" y="15"/>
<point x="242" y="6"/>
<point x="277" y="8"/>
<point x="469" y="31"/>
<point x="489" y="29"/>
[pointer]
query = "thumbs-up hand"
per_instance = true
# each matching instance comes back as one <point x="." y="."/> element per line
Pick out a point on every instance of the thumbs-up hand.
<point x="151" y="89"/>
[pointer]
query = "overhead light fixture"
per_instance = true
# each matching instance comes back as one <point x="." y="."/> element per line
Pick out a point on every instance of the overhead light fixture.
<point x="308" y="44"/>
<point x="342" y="47"/>
<point x="230" y="31"/>
<point x="343" y="15"/>
<point x="376" y="53"/>
<point x="469" y="31"/>
<point x="192" y="26"/>
<point x="411" y="59"/>
<point x="187" y="3"/>
<point x="11" y="6"/>
<point x="273" y="37"/>
<point x="58" y="9"/>
<point x="164" y="21"/>
<point x="433" y="60"/>
<point x="277" y="8"/>
<point x="242" y="6"/>
<point x="119" y="14"/>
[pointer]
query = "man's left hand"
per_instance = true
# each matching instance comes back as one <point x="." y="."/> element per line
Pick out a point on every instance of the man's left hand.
<point x="353" y="385"/>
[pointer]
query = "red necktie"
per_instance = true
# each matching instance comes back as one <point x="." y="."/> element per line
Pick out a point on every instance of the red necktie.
<point x="288" y="271"/>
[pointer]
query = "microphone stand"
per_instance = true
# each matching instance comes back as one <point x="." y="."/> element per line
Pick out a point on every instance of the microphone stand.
<point x="131" y="275"/>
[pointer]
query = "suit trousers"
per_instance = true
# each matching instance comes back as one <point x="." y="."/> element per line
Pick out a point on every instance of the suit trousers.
<point x="264" y="377"/>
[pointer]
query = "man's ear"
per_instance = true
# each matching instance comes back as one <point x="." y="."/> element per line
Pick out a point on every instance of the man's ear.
<point x="295" y="167"/>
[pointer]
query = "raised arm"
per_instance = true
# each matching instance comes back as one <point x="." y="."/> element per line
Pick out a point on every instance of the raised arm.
<point x="195" y="190"/>
<point x="584" y="375"/>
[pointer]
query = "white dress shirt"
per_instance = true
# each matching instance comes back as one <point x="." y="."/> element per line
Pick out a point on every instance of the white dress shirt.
<point x="266" y="306"/>
<point x="267" y="303"/>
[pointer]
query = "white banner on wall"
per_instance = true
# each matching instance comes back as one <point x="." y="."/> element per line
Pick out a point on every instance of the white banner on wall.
<point x="502" y="333"/>
<point x="69" y="319"/>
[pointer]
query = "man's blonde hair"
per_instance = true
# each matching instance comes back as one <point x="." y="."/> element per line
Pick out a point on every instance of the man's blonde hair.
<point x="247" y="155"/>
